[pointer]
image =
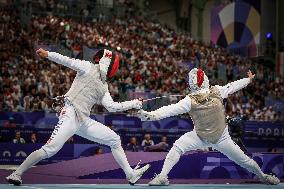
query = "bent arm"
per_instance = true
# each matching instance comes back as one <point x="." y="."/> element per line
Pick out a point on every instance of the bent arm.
<point x="112" y="106"/>
<point x="75" y="64"/>
<point x="183" y="106"/>
<point x="233" y="87"/>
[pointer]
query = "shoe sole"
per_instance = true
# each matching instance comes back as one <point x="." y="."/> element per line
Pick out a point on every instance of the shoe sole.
<point x="158" y="184"/>
<point x="271" y="183"/>
<point x="165" y="184"/>
<point x="132" y="183"/>
<point x="14" y="182"/>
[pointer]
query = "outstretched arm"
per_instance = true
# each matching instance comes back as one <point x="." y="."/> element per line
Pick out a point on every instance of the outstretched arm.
<point x="183" y="106"/>
<point x="235" y="86"/>
<point x="112" y="106"/>
<point x="75" y="64"/>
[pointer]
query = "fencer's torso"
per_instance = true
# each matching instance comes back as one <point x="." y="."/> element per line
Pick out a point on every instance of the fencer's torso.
<point x="208" y="115"/>
<point x="86" y="90"/>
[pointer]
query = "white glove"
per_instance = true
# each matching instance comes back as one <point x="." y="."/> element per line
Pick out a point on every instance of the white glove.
<point x="137" y="104"/>
<point x="146" y="116"/>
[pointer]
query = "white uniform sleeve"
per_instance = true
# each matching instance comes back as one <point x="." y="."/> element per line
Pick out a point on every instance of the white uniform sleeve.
<point x="75" y="64"/>
<point x="112" y="106"/>
<point x="232" y="87"/>
<point x="183" y="106"/>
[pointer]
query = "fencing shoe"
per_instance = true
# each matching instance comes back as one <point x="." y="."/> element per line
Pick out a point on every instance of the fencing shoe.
<point x="15" y="179"/>
<point x="270" y="179"/>
<point x="137" y="173"/>
<point x="159" y="180"/>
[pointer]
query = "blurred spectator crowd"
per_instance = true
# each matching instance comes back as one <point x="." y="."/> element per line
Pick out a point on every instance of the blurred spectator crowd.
<point x="135" y="144"/>
<point x="147" y="144"/>
<point x="155" y="59"/>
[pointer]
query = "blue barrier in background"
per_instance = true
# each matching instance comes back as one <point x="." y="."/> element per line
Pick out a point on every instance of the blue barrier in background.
<point x="257" y="135"/>
<point x="48" y="120"/>
<point x="16" y="153"/>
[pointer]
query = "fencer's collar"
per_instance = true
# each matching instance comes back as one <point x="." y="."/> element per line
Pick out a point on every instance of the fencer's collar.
<point x="200" y="91"/>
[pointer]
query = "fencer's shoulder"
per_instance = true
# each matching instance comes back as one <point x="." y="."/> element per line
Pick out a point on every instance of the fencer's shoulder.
<point x="216" y="90"/>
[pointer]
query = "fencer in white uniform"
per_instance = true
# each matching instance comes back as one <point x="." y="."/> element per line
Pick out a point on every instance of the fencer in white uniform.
<point x="88" y="88"/>
<point x="205" y="106"/>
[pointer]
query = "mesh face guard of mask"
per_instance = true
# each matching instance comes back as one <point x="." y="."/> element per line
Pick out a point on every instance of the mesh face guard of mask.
<point x="108" y="62"/>
<point x="197" y="80"/>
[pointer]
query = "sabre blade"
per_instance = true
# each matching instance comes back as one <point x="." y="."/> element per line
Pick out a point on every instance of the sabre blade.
<point x="149" y="99"/>
<point x="158" y="97"/>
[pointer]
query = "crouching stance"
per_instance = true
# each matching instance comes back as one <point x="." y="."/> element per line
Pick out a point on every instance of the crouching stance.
<point x="205" y="106"/>
<point x="88" y="88"/>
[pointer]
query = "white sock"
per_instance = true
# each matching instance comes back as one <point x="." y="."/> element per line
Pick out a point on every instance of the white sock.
<point x="120" y="158"/>
<point x="171" y="159"/>
<point x="31" y="160"/>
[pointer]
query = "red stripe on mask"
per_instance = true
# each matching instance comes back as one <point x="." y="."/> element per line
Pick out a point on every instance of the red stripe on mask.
<point x="200" y="77"/>
<point x="114" y="66"/>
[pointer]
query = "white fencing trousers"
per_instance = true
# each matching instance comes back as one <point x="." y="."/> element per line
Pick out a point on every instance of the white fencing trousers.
<point x="191" y="141"/>
<point x="68" y="125"/>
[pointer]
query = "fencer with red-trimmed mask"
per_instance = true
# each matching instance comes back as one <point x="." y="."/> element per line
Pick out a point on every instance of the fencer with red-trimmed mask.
<point x="88" y="88"/>
<point x="205" y="106"/>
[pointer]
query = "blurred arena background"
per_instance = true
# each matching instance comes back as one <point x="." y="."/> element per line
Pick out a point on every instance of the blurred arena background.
<point x="159" y="42"/>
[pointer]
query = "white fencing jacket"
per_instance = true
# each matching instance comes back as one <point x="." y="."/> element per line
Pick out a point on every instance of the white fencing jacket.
<point x="88" y="88"/>
<point x="205" y="108"/>
<point x="184" y="105"/>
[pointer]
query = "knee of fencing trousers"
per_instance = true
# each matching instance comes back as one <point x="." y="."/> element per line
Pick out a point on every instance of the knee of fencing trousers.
<point x="51" y="149"/>
<point x="43" y="153"/>
<point x="189" y="141"/>
<point x="40" y="154"/>
<point x="99" y="133"/>
<point x="179" y="147"/>
<point x="114" y="141"/>
<point x="177" y="150"/>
